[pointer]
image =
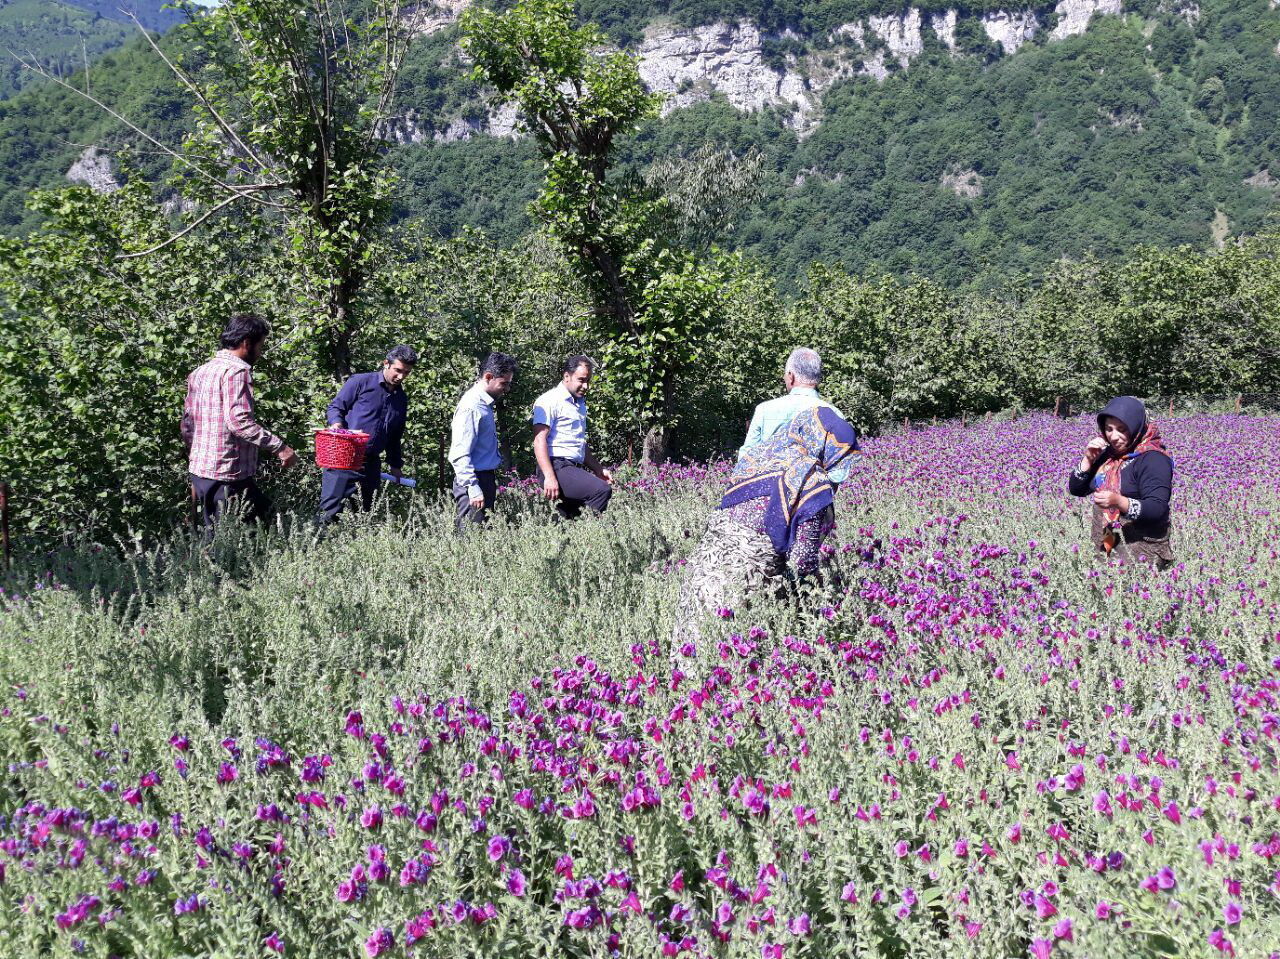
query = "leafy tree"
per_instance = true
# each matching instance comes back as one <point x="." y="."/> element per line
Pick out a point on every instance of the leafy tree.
<point x="577" y="98"/>
<point x="290" y="98"/>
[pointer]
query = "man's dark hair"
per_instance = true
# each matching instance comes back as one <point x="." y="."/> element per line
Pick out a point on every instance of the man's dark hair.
<point x="499" y="364"/>
<point x="572" y="363"/>
<point x="405" y="354"/>
<point x="242" y="327"/>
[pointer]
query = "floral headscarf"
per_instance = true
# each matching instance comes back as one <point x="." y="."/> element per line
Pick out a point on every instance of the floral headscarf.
<point x="790" y="469"/>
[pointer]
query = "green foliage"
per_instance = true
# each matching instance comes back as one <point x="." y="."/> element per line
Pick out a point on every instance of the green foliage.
<point x="45" y="129"/>
<point x="63" y="35"/>
<point x="577" y="97"/>
<point x="1093" y="144"/>
<point x="96" y="351"/>
<point x="1137" y="132"/>
<point x="291" y="99"/>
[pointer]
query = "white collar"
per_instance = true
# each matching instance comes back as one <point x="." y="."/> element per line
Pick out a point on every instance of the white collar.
<point x="482" y="393"/>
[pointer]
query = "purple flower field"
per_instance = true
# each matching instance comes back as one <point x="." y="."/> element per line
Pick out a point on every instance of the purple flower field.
<point x="989" y="744"/>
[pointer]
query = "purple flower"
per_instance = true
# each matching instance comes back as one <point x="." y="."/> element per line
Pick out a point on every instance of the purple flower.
<point x="274" y="942"/>
<point x="1232" y="912"/>
<point x="381" y="941"/>
<point x="498" y="847"/>
<point x="355" y="724"/>
<point x="516" y="883"/>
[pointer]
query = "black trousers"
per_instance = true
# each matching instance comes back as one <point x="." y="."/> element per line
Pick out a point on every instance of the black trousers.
<point x="579" y="487"/>
<point x="336" y="486"/>
<point x="487" y="480"/>
<point x="217" y="497"/>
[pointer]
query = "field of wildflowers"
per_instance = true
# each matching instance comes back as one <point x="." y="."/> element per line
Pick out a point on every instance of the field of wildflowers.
<point x="394" y="742"/>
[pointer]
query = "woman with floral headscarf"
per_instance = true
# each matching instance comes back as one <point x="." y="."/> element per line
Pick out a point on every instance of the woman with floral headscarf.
<point x="777" y="511"/>
<point x="1130" y="476"/>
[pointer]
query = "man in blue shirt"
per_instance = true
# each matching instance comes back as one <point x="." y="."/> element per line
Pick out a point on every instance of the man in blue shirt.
<point x="372" y="403"/>
<point x="802" y="375"/>
<point x="474" y="449"/>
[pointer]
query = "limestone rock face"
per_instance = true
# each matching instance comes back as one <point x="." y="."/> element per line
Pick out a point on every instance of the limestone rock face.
<point x="901" y="34"/>
<point x="690" y="65"/>
<point x="96" y="170"/>
<point x="944" y="27"/>
<point x="503" y="122"/>
<point x="1074" y="15"/>
<point x="1262" y="180"/>
<point x="963" y="183"/>
<point x="1010" y="29"/>
<point x="459" y="128"/>
<point x="428" y="18"/>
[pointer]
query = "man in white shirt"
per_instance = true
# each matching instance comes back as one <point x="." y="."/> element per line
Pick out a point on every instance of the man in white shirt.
<point x="801" y="375"/>
<point x="571" y="477"/>
<point x="474" y="449"/>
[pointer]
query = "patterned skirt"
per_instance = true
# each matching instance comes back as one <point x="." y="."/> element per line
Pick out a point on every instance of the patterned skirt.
<point x="1128" y="546"/>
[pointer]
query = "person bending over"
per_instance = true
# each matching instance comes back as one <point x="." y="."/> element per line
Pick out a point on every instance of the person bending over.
<point x="571" y="477"/>
<point x="779" y="508"/>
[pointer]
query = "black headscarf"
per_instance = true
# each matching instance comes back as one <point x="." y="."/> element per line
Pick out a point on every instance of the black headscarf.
<point x="1130" y="411"/>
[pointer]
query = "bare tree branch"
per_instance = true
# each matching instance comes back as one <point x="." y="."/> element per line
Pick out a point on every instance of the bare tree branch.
<point x="183" y="232"/>
<point x="195" y="90"/>
<point x="40" y="70"/>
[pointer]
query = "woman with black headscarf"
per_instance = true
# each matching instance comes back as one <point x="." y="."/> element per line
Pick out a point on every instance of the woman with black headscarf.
<point x="1130" y="474"/>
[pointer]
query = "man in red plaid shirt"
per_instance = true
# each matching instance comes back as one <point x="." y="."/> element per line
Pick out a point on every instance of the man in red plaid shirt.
<point x="218" y="425"/>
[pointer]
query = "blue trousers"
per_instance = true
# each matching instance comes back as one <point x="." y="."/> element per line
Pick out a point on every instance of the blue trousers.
<point x="336" y="486"/>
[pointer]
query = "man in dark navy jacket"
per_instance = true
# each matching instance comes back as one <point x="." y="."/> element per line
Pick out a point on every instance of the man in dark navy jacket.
<point x="372" y="403"/>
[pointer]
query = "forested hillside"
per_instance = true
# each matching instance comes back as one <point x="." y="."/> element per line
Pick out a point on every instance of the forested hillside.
<point x="968" y="165"/>
<point x="65" y="34"/>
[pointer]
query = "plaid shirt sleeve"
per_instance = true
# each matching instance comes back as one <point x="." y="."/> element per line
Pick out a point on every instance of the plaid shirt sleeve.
<point x="188" y="425"/>
<point x="237" y="411"/>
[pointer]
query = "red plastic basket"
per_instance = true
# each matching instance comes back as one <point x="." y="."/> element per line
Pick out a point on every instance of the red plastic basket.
<point x="340" y="449"/>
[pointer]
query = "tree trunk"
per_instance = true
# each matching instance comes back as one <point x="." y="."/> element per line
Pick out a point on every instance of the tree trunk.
<point x="612" y="289"/>
<point x="657" y="442"/>
<point x="654" y="450"/>
<point x="342" y="327"/>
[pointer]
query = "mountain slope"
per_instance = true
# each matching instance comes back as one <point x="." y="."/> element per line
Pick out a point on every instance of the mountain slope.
<point x="65" y="34"/>
<point x="959" y="161"/>
<point x="966" y="145"/>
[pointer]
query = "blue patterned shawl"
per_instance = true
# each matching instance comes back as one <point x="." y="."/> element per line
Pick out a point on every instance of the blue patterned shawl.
<point x="790" y="469"/>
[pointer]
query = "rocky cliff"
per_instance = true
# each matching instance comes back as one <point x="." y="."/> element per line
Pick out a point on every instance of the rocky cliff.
<point x="689" y="65"/>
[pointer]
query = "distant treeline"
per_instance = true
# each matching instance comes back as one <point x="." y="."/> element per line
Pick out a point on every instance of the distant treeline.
<point x="96" y="349"/>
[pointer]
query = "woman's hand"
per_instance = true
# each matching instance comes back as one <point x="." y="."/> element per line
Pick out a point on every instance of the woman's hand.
<point x="1110" y="499"/>
<point x="1092" y="452"/>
